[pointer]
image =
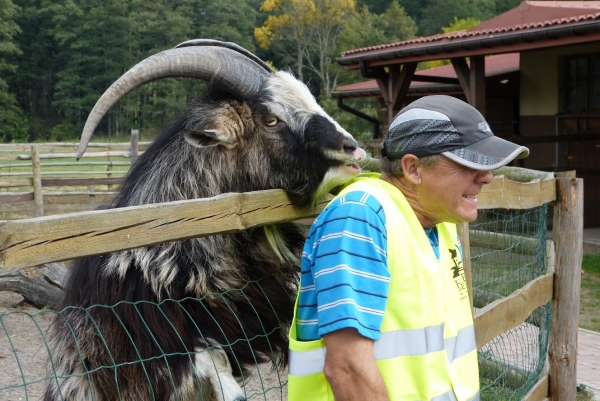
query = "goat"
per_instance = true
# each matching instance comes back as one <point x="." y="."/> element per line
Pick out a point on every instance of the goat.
<point x="185" y="320"/>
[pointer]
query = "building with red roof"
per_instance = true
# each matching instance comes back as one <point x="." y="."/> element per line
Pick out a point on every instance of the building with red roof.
<point x="533" y="71"/>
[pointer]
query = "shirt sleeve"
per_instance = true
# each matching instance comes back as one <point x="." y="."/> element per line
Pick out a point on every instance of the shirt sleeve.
<point x="348" y="263"/>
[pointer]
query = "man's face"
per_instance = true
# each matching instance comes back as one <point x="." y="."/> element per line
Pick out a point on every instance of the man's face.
<point x="448" y="192"/>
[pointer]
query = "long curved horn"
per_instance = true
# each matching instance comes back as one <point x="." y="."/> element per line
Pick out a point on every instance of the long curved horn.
<point x="230" y="69"/>
<point x="228" y="45"/>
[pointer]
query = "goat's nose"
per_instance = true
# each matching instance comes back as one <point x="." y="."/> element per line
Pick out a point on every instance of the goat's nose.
<point x="350" y="144"/>
<point x="352" y="149"/>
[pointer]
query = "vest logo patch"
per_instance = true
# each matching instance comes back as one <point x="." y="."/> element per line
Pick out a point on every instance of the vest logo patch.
<point x="458" y="273"/>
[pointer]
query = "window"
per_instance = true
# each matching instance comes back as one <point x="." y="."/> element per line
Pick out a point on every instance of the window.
<point x="582" y="83"/>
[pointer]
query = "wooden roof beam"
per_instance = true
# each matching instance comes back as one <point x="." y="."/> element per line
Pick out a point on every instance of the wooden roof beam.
<point x="472" y="80"/>
<point x="399" y="83"/>
<point x="434" y="79"/>
<point x="464" y="76"/>
<point x="478" y="83"/>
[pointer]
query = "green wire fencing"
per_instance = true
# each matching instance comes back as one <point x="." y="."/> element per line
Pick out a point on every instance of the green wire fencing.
<point x="524" y="285"/>
<point x="28" y="363"/>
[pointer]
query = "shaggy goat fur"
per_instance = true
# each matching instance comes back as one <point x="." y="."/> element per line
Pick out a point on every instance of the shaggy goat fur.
<point x="182" y="320"/>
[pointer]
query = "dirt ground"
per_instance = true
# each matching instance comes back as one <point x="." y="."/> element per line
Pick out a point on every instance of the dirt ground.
<point x="23" y="356"/>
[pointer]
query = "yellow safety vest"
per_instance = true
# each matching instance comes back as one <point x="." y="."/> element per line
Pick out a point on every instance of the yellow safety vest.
<point x="427" y="348"/>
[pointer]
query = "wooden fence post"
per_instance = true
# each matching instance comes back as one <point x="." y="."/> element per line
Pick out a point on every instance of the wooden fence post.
<point x="37" y="181"/>
<point x="109" y="171"/>
<point x="567" y="230"/>
<point x="92" y="195"/>
<point x="135" y="134"/>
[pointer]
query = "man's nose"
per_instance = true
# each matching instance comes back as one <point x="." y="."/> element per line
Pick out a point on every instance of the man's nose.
<point x="485" y="177"/>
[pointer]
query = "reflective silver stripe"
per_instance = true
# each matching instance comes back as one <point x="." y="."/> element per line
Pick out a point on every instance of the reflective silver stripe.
<point x="447" y="396"/>
<point x="462" y="344"/>
<point x="393" y="344"/>
<point x="307" y="362"/>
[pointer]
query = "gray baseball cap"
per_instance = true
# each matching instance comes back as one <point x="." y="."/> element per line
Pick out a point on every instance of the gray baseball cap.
<point x="446" y="125"/>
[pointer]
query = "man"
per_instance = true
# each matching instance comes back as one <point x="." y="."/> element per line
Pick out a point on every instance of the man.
<point x="383" y="288"/>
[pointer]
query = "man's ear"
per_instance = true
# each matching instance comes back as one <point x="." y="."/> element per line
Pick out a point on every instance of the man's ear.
<point x="411" y="169"/>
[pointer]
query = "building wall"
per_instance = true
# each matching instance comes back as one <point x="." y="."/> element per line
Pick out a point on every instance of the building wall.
<point x="542" y="156"/>
<point x="541" y="96"/>
<point x="541" y="78"/>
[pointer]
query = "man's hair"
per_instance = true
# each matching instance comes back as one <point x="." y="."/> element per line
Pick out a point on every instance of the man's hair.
<point x="393" y="168"/>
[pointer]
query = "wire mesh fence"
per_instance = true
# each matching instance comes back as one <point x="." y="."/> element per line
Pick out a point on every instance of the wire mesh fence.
<point x="508" y="250"/>
<point x="28" y="364"/>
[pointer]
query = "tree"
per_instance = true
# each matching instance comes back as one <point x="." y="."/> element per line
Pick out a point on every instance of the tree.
<point x="362" y="30"/>
<point x="38" y="63"/>
<point x="155" y="26"/>
<point x="87" y="56"/>
<point x="227" y="20"/>
<point x="416" y="9"/>
<point x="461" y="24"/>
<point x="502" y="6"/>
<point x="306" y="32"/>
<point x="399" y="25"/>
<point x="368" y="29"/>
<point x="440" y="13"/>
<point x="377" y="7"/>
<point x="286" y="30"/>
<point x="10" y="114"/>
<point x="457" y="25"/>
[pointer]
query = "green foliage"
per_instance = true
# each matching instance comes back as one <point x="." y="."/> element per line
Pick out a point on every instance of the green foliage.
<point x="374" y="6"/>
<point x="15" y="130"/>
<point x="62" y="132"/>
<point x="73" y="50"/>
<point x="366" y="29"/>
<point x="358" y="127"/>
<point x="461" y="24"/>
<point x="591" y="264"/>
<point x="399" y="25"/>
<point x="589" y="318"/>
<point x="441" y="13"/>
<point x="58" y="56"/>
<point x="10" y="113"/>
<point x="505" y="5"/>
<point x="457" y="25"/>
<point x="227" y="20"/>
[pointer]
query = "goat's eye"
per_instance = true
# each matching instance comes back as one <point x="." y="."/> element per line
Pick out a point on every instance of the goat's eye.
<point x="272" y="121"/>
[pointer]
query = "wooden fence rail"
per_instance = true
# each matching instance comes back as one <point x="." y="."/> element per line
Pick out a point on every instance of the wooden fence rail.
<point x="42" y="240"/>
<point x="34" y="178"/>
<point x="46" y="173"/>
<point x="36" y="241"/>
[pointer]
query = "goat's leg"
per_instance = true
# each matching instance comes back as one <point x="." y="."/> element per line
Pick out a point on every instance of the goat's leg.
<point x="213" y="365"/>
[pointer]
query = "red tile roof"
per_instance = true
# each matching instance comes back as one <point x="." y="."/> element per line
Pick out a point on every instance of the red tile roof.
<point x="529" y="15"/>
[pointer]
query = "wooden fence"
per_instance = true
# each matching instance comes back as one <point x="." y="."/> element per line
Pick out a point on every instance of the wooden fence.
<point x="51" y="187"/>
<point x="48" y="239"/>
<point x="30" y="173"/>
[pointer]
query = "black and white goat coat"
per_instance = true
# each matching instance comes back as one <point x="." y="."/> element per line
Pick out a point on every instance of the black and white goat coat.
<point x="184" y="320"/>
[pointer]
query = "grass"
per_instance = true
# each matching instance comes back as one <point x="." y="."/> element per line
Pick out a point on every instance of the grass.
<point x="50" y="165"/>
<point x="589" y="311"/>
<point x="15" y="173"/>
<point x="583" y="394"/>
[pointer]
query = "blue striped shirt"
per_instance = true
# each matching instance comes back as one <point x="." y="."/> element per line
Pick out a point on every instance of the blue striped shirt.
<point x="345" y="279"/>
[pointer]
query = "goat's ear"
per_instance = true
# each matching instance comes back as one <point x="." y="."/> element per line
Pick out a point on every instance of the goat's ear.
<point x="207" y="138"/>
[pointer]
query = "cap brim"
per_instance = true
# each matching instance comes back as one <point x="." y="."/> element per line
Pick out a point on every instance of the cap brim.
<point x="489" y="153"/>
